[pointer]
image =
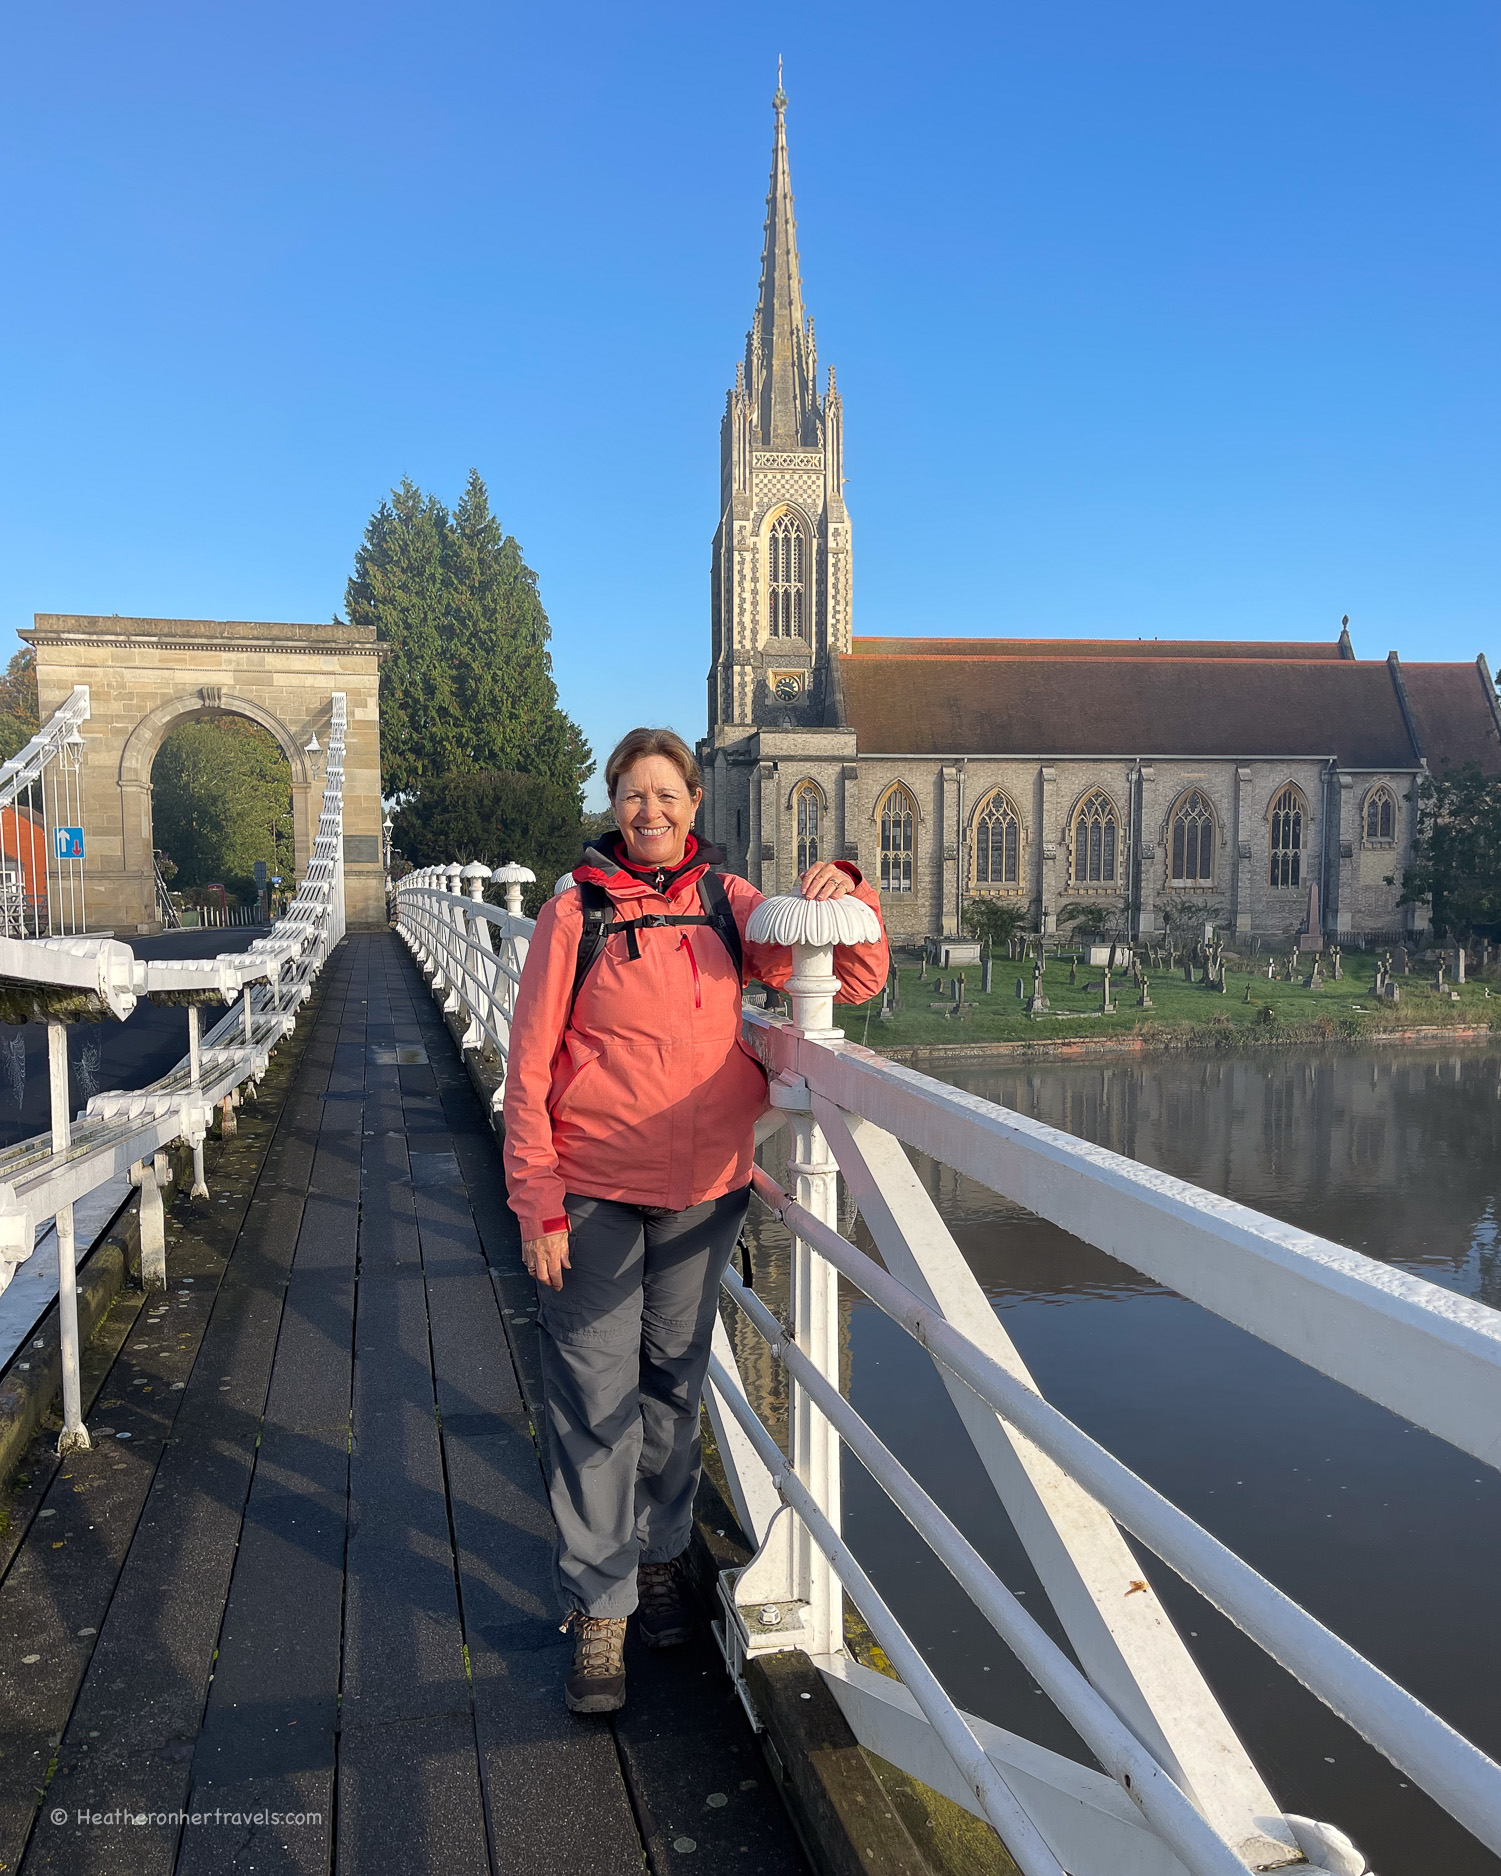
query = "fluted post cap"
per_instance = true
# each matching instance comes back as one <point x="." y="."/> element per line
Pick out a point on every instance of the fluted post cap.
<point x="514" y="874"/>
<point x="451" y="872"/>
<point x="475" y="876"/>
<point x="811" y="928"/>
<point x="792" y="920"/>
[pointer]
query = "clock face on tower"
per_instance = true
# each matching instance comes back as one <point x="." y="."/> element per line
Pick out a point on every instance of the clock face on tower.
<point x="788" y="688"/>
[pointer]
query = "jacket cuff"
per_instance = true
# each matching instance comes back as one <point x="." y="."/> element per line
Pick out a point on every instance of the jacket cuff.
<point x="849" y="867"/>
<point x="531" y="1219"/>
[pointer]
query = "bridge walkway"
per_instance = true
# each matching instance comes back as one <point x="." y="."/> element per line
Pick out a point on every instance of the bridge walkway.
<point x="305" y="1569"/>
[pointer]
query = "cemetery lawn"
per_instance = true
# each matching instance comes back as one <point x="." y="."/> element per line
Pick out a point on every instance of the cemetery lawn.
<point x="1184" y="1015"/>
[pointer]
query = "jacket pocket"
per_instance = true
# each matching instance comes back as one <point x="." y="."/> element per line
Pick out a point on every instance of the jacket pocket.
<point x="613" y="1124"/>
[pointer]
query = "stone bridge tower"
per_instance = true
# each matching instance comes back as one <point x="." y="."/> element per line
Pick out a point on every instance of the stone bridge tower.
<point x="782" y="556"/>
<point x="146" y="676"/>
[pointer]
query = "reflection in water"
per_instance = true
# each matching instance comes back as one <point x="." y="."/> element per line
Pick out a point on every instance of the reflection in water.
<point x="1386" y="1534"/>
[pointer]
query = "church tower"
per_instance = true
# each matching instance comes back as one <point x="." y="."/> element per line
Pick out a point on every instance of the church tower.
<point x="782" y="555"/>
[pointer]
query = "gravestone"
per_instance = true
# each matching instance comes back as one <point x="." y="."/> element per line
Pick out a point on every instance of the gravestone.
<point x="1459" y="964"/>
<point x="1336" y="968"/>
<point x="1144" y="1001"/>
<point x="1039" y="1000"/>
<point x="986" y="970"/>
<point x="1107" y="1008"/>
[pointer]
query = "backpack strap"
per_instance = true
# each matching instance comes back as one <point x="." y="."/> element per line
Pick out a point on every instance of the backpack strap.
<point x="599" y="923"/>
<point x="716" y="902"/>
<point x="597" y="915"/>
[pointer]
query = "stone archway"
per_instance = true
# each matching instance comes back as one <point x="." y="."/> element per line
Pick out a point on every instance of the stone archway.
<point x="145" y="676"/>
<point x="139" y="756"/>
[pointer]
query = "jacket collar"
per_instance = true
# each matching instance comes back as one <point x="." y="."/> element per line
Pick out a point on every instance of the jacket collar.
<point x="605" y="864"/>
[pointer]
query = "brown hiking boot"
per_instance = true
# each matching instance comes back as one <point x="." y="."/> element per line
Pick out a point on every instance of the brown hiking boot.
<point x="662" y="1614"/>
<point x="596" y="1681"/>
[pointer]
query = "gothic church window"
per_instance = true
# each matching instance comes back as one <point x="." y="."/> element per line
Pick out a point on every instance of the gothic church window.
<point x="1096" y="841"/>
<point x="808" y="806"/>
<point x="785" y="582"/>
<point x="898" y="812"/>
<point x="1287" y="838"/>
<point x="1380" y="816"/>
<point x="997" y="842"/>
<point x="1191" y="841"/>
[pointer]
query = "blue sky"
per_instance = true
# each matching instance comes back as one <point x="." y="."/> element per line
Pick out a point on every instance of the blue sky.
<point x="1170" y="320"/>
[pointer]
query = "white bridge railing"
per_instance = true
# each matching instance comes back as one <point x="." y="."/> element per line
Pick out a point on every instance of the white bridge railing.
<point x="41" y="791"/>
<point x="1177" y="1791"/>
<point x="126" y="1135"/>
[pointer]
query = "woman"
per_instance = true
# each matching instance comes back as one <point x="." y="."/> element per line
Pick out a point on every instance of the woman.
<point x="630" y="1109"/>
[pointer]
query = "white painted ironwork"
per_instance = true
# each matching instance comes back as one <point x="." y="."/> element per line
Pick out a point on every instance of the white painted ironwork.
<point x="127" y="1133"/>
<point x="472" y="953"/>
<point x="41" y="790"/>
<point x="1178" y="1792"/>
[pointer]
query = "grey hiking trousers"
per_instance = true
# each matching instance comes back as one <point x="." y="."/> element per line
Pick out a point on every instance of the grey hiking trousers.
<point x="625" y="1348"/>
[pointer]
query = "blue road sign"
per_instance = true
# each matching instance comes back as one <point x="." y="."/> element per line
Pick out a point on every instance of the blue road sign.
<point x="67" y="843"/>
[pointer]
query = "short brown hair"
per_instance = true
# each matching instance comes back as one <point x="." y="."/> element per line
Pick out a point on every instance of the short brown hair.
<point x="643" y="742"/>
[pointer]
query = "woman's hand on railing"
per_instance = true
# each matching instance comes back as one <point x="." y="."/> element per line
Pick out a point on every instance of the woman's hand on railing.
<point x="546" y="1258"/>
<point x="825" y="881"/>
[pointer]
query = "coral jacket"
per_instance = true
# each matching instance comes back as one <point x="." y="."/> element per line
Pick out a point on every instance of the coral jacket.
<point x="648" y="1096"/>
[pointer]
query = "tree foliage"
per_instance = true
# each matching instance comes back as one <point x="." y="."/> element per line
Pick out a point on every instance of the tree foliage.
<point x="466" y="683"/>
<point x="994" y="921"/>
<point x="492" y="816"/>
<point x="1455" y="867"/>
<point x="221" y="800"/>
<point x="1185" y="919"/>
<point x="18" y="703"/>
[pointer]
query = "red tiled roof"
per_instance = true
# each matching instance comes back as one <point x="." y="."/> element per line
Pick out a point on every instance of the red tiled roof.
<point x="1073" y="648"/>
<point x="919" y="704"/>
<point x="1454" y="720"/>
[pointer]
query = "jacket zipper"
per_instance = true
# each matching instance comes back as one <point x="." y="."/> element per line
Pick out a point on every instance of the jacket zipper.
<point x="683" y="945"/>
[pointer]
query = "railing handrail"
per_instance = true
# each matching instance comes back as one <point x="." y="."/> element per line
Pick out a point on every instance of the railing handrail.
<point x="1191" y="1241"/>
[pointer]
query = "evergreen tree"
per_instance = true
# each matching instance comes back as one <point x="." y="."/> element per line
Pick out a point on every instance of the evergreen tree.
<point x="467" y="683"/>
<point x="493" y="816"/>
<point x="400" y="586"/>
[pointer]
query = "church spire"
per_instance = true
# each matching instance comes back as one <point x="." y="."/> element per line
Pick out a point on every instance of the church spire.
<point x="778" y="358"/>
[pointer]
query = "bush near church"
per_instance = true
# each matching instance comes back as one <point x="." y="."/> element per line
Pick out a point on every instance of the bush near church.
<point x="493" y="815"/>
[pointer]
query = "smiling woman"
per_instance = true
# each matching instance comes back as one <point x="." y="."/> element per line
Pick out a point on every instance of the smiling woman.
<point x="630" y="1111"/>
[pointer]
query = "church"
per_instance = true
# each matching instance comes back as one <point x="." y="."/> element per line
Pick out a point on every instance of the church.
<point x="1270" y="781"/>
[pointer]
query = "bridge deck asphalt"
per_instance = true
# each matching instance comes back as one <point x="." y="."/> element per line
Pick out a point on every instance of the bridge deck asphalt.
<point x="299" y="1591"/>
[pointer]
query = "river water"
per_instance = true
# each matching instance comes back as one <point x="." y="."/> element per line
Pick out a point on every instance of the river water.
<point x="1386" y="1534"/>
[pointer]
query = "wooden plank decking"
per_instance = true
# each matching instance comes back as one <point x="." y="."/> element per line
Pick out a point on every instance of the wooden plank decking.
<point x="305" y="1569"/>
